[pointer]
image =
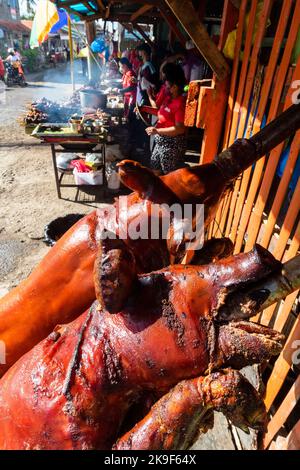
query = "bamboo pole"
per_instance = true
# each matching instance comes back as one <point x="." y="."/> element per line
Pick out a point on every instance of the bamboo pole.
<point x="264" y="95"/>
<point x="71" y="53"/>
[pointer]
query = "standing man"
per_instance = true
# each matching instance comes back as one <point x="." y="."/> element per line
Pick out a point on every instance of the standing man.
<point x="146" y="76"/>
<point x="147" y="79"/>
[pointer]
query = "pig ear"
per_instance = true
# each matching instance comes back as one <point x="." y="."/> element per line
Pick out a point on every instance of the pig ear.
<point x="115" y="273"/>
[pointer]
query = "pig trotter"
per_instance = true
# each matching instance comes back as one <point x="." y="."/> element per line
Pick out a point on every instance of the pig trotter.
<point x="174" y="421"/>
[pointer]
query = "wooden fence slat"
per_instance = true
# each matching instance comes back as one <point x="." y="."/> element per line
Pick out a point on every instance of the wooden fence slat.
<point x="279" y="84"/>
<point x="245" y="101"/>
<point x="246" y="175"/>
<point x="255" y="219"/>
<point x="293" y="439"/>
<point x="235" y="67"/>
<point x="237" y="104"/>
<point x="216" y="225"/>
<point x="284" y="311"/>
<point x="210" y="229"/>
<point x="225" y="212"/>
<point x="294" y="246"/>
<point x="282" y="365"/>
<point x="264" y="95"/>
<point x="292" y="442"/>
<point x="283" y="412"/>
<point x="281" y="191"/>
<point x="253" y="64"/>
<point x="284" y="234"/>
<point x="286" y="305"/>
<point x="243" y="74"/>
<point x="212" y="103"/>
<point x="288" y="223"/>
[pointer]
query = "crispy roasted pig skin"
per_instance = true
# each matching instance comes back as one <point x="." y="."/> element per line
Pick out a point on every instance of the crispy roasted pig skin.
<point x="61" y="287"/>
<point x="74" y="389"/>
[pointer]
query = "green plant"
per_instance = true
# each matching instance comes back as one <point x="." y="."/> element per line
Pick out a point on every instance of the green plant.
<point x="31" y="59"/>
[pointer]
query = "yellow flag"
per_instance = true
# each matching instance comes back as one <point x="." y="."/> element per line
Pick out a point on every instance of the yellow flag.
<point x="45" y="17"/>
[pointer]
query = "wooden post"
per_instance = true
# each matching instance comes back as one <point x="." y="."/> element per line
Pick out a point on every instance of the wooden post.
<point x="140" y="12"/>
<point x="211" y="110"/>
<point x="143" y="34"/>
<point x="187" y="15"/>
<point x="169" y="19"/>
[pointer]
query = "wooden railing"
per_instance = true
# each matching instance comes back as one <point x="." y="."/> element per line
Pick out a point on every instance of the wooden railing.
<point x="262" y="208"/>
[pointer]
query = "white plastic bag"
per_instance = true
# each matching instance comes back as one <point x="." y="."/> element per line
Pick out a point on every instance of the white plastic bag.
<point x="92" y="178"/>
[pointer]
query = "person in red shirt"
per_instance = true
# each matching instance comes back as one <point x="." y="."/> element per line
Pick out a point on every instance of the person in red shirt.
<point x="129" y="85"/>
<point x="2" y="69"/>
<point x="169" y="131"/>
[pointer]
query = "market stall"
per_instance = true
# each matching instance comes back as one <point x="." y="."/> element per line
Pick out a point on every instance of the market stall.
<point x="77" y="129"/>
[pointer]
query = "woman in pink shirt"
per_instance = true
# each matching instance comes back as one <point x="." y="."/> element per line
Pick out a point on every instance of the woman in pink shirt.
<point x="169" y="131"/>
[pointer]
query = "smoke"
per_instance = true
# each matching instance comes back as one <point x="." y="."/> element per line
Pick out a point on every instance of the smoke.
<point x="55" y="83"/>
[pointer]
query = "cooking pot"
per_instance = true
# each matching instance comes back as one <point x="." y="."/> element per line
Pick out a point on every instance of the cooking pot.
<point x="93" y="99"/>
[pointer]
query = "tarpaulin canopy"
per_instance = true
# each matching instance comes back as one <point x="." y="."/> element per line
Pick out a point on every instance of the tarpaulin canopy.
<point x="79" y="9"/>
<point x="108" y="10"/>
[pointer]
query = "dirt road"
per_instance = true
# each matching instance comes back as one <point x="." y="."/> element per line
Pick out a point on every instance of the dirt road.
<point x="28" y="199"/>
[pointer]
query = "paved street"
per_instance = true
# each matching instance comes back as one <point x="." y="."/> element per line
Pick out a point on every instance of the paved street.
<point x="28" y="199"/>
